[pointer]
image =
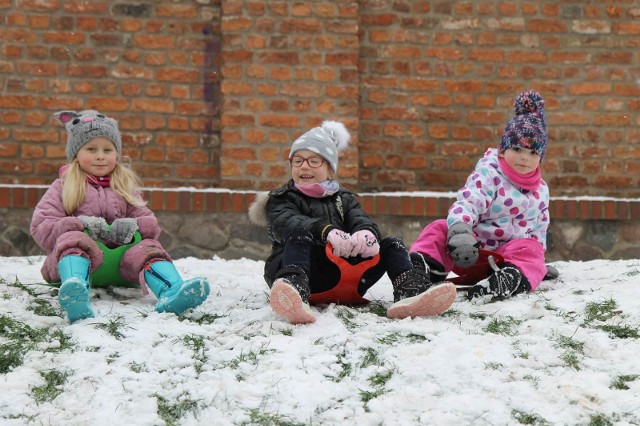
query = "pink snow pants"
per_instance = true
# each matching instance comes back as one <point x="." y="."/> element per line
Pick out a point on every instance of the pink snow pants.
<point x="80" y="244"/>
<point x="526" y="254"/>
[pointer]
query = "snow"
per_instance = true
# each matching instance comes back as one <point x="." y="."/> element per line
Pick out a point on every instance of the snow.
<point x="540" y="358"/>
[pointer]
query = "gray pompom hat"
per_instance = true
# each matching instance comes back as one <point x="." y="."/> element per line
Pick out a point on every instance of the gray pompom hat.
<point x="326" y="141"/>
<point x="84" y="126"/>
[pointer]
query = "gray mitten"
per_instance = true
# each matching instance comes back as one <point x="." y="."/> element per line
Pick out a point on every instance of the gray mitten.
<point x="122" y="230"/>
<point x="96" y="226"/>
<point x="462" y="245"/>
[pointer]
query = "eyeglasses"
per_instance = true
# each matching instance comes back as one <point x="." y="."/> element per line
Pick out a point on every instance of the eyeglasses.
<point x="313" y="162"/>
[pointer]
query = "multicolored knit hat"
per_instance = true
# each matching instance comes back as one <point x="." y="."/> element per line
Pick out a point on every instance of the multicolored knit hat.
<point x="325" y="141"/>
<point x="528" y="127"/>
<point x="84" y="126"/>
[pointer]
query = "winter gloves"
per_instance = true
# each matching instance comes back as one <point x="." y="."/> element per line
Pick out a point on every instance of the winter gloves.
<point x="121" y="230"/>
<point x="462" y="245"/>
<point x="96" y="226"/>
<point x="363" y="243"/>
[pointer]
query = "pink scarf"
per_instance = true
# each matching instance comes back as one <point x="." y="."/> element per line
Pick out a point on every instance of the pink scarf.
<point x="319" y="190"/>
<point x="530" y="181"/>
<point x="104" y="181"/>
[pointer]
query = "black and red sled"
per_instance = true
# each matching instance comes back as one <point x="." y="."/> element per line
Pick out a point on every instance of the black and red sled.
<point x="488" y="262"/>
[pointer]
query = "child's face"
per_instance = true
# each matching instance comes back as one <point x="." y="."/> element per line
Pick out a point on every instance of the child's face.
<point x="522" y="160"/>
<point x="305" y="174"/>
<point x="98" y="157"/>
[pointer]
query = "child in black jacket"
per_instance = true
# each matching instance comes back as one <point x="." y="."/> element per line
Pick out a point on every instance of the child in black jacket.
<point x="311" y="210"/>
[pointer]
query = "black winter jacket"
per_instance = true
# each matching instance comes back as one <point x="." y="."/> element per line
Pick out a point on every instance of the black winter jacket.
<point x="288" y="209"/>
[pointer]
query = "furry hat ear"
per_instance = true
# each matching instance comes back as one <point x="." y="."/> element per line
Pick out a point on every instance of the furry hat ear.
<point x="84" y="126"/>
<point x="326" y="141"/>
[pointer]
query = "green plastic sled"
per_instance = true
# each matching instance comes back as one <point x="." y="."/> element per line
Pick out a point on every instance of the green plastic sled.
<point x="107" y="275"/>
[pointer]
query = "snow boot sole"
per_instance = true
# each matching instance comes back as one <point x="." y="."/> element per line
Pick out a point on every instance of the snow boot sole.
<point x="286" y="301"/>
<point x="75" y="299"/>
<point x="435" y="301"/>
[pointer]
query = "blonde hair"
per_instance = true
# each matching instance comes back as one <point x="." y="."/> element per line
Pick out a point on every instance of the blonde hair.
<point x="124" y="181"/>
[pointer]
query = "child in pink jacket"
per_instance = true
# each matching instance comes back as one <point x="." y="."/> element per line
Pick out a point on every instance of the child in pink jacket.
<point x="503" y="207"/>
<point x="98" y="194"/>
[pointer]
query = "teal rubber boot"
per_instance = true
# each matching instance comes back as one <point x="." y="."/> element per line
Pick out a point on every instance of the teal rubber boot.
<point x="174" y="295"/>
<point x="75" y="291"/>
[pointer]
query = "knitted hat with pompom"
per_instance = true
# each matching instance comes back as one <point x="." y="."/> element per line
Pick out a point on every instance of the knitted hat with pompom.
<point x="326" y="141"/>
<point x="528" y="127"/>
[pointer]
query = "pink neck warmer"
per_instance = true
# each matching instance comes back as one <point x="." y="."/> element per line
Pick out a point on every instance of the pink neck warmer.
<point x="319" y="190"/>
<point x="530" y="181"/>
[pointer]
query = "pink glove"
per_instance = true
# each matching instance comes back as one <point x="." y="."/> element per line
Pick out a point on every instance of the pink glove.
<point x="341" y="242"/>
<point x="365" y="244"/>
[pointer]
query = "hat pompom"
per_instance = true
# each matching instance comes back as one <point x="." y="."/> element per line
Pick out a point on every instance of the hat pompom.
<point x="528" y="102"/>
<point x="338" y="131"/>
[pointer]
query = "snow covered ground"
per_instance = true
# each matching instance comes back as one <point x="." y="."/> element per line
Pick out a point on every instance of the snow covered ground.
<point x="568" y="354"/>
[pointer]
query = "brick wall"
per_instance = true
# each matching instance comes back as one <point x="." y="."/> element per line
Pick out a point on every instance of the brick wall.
<point x="154" y="66"/>
<point x="210" y="93"/>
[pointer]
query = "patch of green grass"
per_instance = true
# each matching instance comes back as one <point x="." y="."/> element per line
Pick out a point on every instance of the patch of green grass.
<point x="370" y="358"/>
<point x="18" y="338"/>
<point x="63" y="342"/>
<point x="203" y="319"/>
<point x="366" y="396"/>
<point x="602" y="311"/>
<point x="346" y="315"/>
<point x="345" y="367"/>
<point x="377" y="308"/>
<point x="112" y="326"/>
<point x="112" y="357"/>
<point x="528" y="418"/>
<point x="138" y="367"/>
<point x="571" y="360"/>
<point x="620" y="331"/>
<point x="494" y="365"/>
<point x="381" y="378"/>
<point x="250" y="357"/>
<point x="11" y="356"/>
<point x="196" y="344"/>
<point x="451" y="313"/>
<point x="393" y="338"/>
<point x="478" y="315"/>
<point x="54" y="382"/>
<point x="259" y="418"/>
<point x="171" y="413"/>
<point x="569" y="343"/>
<point x="620" y="382"/>
<point x="599" y="420"/>
<point x="503" y="326"/>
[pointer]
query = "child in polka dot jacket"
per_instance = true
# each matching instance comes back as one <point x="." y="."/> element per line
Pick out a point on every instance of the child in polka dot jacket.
<point x="503" y="207"/>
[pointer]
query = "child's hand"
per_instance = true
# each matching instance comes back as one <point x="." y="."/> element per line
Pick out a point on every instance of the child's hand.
<point x="96" y="226"/>
<point x="462" y="245"/>
<point x="341" y="242"/>
<point x="122" y="230"/>
<point x="365" y="244"/>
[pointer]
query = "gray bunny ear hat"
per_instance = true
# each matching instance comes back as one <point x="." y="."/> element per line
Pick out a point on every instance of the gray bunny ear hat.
<point x="326" y="141"/>
<point x="84" y="126"/>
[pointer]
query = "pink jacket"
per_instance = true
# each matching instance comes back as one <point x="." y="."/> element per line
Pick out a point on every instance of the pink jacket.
<point x="55" y="231"/>
<point x="51" y="222"/>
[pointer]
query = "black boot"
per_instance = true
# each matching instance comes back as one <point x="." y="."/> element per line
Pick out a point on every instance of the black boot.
<point x="415" y="296"/>
<point x="503" y="283"/>
<point x="290" y="295"/>
<point x="426" y="264"/>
